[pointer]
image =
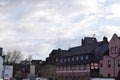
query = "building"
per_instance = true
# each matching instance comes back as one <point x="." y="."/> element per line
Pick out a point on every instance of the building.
<point x="48" y="71"/>
<point x="54" y="55"/>
<point x="82" y="62"/>
<point x="21" y="70"/>
<point x="37" y="65"/>
<point x="1" y="64"/>
<point x="110" y="65"/>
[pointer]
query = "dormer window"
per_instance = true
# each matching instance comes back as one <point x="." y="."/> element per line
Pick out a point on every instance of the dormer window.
<point x="81" y="57"/>
<point x="77" y="58"/>
<point x="73" y="59"/>
<point x="86" y="57"/>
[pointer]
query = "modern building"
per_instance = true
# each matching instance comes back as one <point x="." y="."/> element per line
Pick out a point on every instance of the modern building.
<point x="82" y="62"/>
<point x="110" y="65"/>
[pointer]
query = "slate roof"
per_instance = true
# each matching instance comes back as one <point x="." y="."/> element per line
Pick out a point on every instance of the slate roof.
<point x="57" y="53"/>
<point x="98" y="49"/>
<point x="85" y="49"/>
<point x="101" y="50"/>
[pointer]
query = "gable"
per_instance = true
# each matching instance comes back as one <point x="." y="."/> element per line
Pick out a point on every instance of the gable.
<point x="115" y="41"/>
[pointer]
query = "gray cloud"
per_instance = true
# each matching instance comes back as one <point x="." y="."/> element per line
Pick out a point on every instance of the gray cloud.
<point x="36" y="27"/>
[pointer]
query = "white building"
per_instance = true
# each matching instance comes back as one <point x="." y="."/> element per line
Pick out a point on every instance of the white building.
<point x="1" y="64"/>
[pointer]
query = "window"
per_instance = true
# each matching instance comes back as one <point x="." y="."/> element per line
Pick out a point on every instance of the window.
<point x="82" y="67"/>
<point x="109" y="63"/>
<point x="119" y="63"/>
<point x="73" y="59"/>
<point x="86" y="57"/>
<point x="116" y="49"/>
<point x="81" y="57"/>
<point x="61" y="60"/>
<point x="77" y="58"/>
<point x="113" y="50"/>
<point x="68" y="59"/>
<point x="109" y="75"/>
<point x="119" y="50"/>
<point x="101" y="65"/>
<point x="56" y="60"/>
<point x="96" y="65"/>
<point x="92" y="65"/>
<point x="101" y="75"/>
<point x="64" y="60"/>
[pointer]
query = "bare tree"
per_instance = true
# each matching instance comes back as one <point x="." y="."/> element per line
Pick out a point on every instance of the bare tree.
<point x="13" y="57"/>
<point x="29" y="58"/>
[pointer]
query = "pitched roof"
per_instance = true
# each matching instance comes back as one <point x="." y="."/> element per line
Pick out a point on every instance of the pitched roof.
<point x="81" y="50"/>
<point x="97" y="48"/>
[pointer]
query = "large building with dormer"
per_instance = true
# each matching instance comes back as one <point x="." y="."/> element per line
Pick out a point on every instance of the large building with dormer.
<point x="81" y="62"/>
<point x="92" y="59"/>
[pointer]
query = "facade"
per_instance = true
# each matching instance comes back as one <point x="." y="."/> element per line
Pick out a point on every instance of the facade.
<point x="37" y="66"/>
<point x="27" y="69"/>
<point x="110" y="65"/>
<point x="1" y="64"/>
<point x="82" y="62"/>
<point x="21" y="70"/>
<point x="48" y="71"/>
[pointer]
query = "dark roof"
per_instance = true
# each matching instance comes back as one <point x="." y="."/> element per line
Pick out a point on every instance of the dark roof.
<point x="85" y="49"/>
<point x="98" y="49"/>
<point x="57" y="53"/>
<point x="101" y="50"/>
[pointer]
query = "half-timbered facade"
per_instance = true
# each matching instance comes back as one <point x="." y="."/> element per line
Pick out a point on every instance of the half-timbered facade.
<point x="82" y="62"/>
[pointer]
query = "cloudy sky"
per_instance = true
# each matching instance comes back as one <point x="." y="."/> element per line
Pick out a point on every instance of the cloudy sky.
<point x="36" y="27"/>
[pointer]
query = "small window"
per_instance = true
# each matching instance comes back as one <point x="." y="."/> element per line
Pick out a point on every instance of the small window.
<point x="116" y="50"/>
<point x="86" y="57"/>
<point x="56" y="60"/>
<point x="101" y="65"/>
<point x="109" y="75"/>
<point x="101" y="75"/>
<point x="73" y="59"/>
<point x="81" y="57"/>
<point x="77" y="58"/>
<point x="64" y="60"/>
<point x="68" y="59"/>
<point x="109" y="63"/>
<point x="113" y="50"/>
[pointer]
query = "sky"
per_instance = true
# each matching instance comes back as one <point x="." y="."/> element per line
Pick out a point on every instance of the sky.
<point x="36" y="27"/>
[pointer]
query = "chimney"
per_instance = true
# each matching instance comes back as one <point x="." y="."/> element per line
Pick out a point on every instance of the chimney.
<point x="105" y="39"/>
